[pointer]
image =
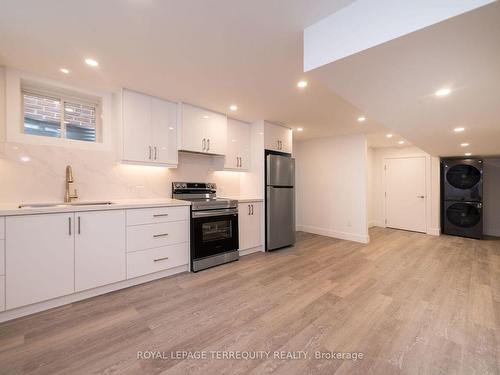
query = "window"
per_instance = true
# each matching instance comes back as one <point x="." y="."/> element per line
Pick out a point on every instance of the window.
<point x="52" y="115"/>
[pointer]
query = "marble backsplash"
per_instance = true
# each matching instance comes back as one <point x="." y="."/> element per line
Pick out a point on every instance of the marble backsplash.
<point x="33" y="173"/>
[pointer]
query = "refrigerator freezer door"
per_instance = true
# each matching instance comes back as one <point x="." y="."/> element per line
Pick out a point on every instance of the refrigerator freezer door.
<point x="280" y="171"/>
<point x="280" y="217"/>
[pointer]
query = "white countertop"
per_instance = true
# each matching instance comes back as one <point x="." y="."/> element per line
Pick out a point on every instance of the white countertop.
<point x="243" y="198"/>
<point x="118" y="204"/>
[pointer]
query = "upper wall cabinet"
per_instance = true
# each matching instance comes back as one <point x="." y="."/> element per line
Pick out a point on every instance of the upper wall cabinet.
<point x="149" y="130"/>
<point x="238" y="145"/>
<point x="277" y="138"/>
<point x="201" y="130"/>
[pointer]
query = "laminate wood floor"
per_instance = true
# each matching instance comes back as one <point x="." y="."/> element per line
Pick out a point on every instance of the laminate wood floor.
<point x="411" y="303"/>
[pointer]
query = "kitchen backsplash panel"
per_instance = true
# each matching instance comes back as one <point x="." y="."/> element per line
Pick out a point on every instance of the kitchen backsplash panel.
<point x="33" y="173"/>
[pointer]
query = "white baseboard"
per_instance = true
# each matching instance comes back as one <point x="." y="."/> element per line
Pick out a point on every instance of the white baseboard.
<point x="434" y="231"/>
<point x="64" y="300"/>
<point x="376" y="223"/>
<point x="335" y="234"/>
<point x="492" y="232"/>
<point x="251" y="251"/>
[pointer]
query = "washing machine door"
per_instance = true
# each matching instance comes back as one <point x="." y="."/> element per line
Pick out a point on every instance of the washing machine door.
<point x="463" y="182"/>
<point x="463" y="219"/>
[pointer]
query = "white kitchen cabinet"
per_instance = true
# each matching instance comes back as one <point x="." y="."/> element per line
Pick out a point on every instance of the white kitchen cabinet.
<point x="249" y="224"/>
<point x="39" y="258"/>
<point x="140" y="237"/>
<point x="164" y="131"/>
<point x="2" y="257"/>
<point x="2" y="228"/>
<point x="238" y="145"/>
<point x="158" y="259"/>
<point x="149" y="129"/>
<point x="201" y="130"/>
<point x="155" y="215"/>
<point x="277" y="138"/>
<point x="100" y="253"/>
<point x="2" y="293"/>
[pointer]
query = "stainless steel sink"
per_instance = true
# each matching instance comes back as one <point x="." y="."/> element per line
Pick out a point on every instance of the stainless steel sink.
<point x="63" y="204"/>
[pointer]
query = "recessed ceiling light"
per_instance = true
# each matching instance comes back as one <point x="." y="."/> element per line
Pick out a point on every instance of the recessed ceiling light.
<point x="458" y="130"/>
<point x="91" y="62"/>
<point x="300" y="129"/>
<point x="205" y="116"/>
<point x="64" y="70"/>
<point x="443" y="92"/>
<point x="69" y="110"/>
<point x="388" y="135"/>
<point x="362" y="119"/>
<point x="233" y="107"/>
<point x="302" y="84"/>
<point x="25" y="159"/>
<point x="464" y="144"/>
<point x="468" y="154"/>
<point x="401" y="142"/>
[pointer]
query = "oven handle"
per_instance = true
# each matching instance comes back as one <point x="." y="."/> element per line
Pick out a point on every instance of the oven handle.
<point x="226" y="211"/>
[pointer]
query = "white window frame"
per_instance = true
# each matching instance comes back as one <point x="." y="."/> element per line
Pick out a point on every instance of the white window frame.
<point x="17" y="81"/>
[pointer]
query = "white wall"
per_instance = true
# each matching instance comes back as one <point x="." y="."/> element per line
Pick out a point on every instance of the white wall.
<point x="98" y="174"/>
<point x="331" y="179"/>
<point x="432" y="185"/>
<point x="491" y="199"/>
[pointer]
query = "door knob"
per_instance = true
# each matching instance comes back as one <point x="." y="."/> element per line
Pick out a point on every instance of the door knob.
<point x="421" y="196"/>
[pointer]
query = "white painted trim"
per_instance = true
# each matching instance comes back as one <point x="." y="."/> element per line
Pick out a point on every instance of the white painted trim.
<point x="434" y="231"/>
<point x="335" y="234"/>
<point x="13" y="116"/>
<point x="64" y="300"/>
<point x="251" y="251"/>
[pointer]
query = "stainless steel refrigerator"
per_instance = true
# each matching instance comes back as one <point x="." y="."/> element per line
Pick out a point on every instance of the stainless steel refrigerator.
<point x="280" y="201"/>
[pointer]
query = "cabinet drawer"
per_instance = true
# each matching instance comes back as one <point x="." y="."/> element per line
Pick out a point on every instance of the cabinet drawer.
<point x="142" y="237"/>
<point x="2" y="257"/>
<point x="153" y="260"/>
<point x="157" y="215"/>
<point x="2" y="293"/>
<point x="2" y="228"/>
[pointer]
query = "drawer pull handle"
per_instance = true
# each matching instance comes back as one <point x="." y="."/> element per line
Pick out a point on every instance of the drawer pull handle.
<point x="159" y="215"/>
<point x="160" y="235"/>
<point x="160" y="259"/>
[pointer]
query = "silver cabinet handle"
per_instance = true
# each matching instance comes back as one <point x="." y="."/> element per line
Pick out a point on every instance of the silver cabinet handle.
<point x="69" y="226"/>
<point x="203" y="144"/>
<point x="79" y="224"/>
<point x="156" y="153"/>
<point x="208" y="144"/>
<point x="160" y="235"/>
<point x="150" y="153"/>
<point x="237" y="162"/>
<point x="159" y="215"/>
<point x="421" y="196"/>
<point x="160" y="259"/>
<point x="252" y="209"/>
<point x="249" y="210"/>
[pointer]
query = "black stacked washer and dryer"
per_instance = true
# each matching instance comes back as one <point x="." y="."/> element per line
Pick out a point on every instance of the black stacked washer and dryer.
<point x="462" y="197"/>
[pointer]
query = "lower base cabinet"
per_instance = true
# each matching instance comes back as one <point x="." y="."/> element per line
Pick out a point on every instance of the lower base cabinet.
<point x="40" y="258"/>
<point x="154" y="260"/>
<point x="2" y="293"/>
<point x="249" y="224"/>
<point x="99" y="248"/>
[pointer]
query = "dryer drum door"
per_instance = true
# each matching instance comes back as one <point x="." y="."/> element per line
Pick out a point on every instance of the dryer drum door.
<point x="463" y="181"/>
<point x="463" y="219"/>
<point x="463" y="176"/>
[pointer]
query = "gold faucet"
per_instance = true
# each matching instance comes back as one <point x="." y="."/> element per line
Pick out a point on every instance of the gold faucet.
<point x="69" y="180"/>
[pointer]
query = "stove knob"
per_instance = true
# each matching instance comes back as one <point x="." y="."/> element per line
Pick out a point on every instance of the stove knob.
<point x="184" y="186"/>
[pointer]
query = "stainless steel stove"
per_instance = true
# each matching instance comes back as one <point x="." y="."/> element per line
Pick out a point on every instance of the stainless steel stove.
<point x="214" y="224"/>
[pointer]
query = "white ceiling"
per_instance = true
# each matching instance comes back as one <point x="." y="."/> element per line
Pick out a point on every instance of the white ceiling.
<point x="395" y="83"/>
<point x="212" y="53"/>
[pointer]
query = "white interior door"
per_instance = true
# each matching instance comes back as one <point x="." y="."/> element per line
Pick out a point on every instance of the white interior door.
<point x="405" y="199"/>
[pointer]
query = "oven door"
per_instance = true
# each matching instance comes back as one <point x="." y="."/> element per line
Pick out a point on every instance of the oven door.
<point x="214" y="232"/>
